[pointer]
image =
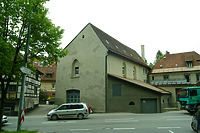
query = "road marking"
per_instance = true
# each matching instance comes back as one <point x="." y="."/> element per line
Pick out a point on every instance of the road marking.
<point x="123" y="128"/>
<point x="67" y="122"/>
<point x="50" y="122"/>
<point x="179" y="119"/>
<point x="167" y="127"/>
<point x="121" y="120"/>
<point x="80" y="129"/>
<point x="56" y="122"/>
<point x="175" y="116"/>
<point x="171" y="131"/>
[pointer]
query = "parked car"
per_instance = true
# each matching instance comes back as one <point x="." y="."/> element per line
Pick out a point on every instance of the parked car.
<point x="70" y="110"/>
<point x="4" y="119"/>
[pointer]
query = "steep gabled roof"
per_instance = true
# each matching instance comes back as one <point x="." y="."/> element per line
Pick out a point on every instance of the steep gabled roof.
<point x="117" y="47"/>
<point x="140" y="83"/>
<point x="177" y="62"/>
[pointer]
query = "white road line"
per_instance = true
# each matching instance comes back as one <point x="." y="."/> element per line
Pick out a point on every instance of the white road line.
<point x="171" y="131"/>
<point x="123" y="128"/>
<point x="67" y="122"/>
<point x="189" y="119"/>
<point x="56" y="122"/>
<point x="50" y="122"/>
<point x="80" y="129"/>
<point x="175" y="117"/>
<point x="167" y="127"/>
<point x="121" y="120"/>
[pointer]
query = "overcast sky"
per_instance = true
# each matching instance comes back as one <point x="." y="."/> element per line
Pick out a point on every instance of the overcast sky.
<point x="166" y="25"/>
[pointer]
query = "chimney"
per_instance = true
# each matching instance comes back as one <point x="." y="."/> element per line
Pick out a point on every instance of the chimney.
<point x="142" y="52"/>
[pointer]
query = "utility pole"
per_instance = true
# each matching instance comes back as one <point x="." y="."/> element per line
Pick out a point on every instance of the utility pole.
<point x="25" y="71"/>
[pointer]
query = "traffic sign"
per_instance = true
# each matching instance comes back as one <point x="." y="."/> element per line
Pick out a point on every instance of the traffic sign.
<point x="22" y="116"/>
<point x="25" y="70"/>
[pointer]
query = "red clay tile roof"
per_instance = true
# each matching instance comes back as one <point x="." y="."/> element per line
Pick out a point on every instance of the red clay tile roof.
<point x="140" y="83"/>
<point x="177" y="62"/>
<point x="46" y="71"/>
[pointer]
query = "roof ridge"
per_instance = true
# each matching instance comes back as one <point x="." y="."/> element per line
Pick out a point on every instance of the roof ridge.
<point x="115" y="46"/>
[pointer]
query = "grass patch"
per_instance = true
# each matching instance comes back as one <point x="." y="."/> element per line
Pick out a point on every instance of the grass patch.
<point x="22" y="131"/>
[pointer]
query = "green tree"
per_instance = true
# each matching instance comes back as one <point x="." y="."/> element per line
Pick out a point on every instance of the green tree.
<point x="42" y="95"/>
<point x="159" y="55"/>
<point x="15" y="17"/>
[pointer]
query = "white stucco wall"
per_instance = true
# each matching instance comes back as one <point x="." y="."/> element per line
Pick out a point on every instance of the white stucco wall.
<point x="90" y="53"/>
<point x="115" y="64"/>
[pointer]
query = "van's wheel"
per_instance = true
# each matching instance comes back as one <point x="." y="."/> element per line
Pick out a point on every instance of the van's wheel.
<point x="193" y="127"/>
<point x="80" y="116"/>
<point x="54" y="117"/>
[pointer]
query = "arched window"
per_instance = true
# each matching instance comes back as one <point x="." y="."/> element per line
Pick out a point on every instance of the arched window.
<point x="134" y="73"/>
<point x="124" y="70"/>
<point x="75" y="68"/>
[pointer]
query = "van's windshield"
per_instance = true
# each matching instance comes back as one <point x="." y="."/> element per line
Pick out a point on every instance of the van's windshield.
<point x="184" y="93"/>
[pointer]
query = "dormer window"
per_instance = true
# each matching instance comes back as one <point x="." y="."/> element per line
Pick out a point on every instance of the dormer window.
<point x="49" y="75"/>
<point x="189" y="64"/>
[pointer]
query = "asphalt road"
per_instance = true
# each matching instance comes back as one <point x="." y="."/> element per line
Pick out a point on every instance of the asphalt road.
<point x="169" y="122"/>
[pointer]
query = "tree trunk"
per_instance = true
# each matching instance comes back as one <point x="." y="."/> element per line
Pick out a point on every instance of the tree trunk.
<point x="3" y="98"/>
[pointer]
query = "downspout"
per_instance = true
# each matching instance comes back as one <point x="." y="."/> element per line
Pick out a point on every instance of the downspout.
<point x="160" y="102"/>
<point x="106" y="84"/>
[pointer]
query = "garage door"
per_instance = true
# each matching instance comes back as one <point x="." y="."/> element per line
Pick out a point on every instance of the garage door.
<point x="148" y="105"/>
<point x="73" y="96"/>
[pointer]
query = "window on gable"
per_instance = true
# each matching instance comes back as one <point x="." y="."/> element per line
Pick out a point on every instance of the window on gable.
<point x="116" y="89"/>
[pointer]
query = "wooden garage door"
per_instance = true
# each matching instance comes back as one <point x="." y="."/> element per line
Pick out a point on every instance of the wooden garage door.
<point x="148" y="105"/>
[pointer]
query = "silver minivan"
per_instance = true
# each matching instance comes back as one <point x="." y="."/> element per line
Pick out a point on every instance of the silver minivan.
<point x="69" y="110"/>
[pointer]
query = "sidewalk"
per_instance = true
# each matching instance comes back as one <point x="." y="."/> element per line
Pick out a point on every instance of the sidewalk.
<point x="41" y="110"/>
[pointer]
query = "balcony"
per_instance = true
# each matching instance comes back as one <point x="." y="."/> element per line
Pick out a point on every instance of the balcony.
<point x="170" y="82"/>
